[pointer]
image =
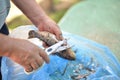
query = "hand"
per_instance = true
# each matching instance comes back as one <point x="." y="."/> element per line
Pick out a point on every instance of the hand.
<point x="38" y="17"/>
<point x="27" y="54"/>
<point x="49" y="25"/>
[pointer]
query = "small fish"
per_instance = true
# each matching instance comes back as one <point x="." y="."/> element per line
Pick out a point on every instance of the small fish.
<point x="78" y="77"/>
<point x="50" y="39"/>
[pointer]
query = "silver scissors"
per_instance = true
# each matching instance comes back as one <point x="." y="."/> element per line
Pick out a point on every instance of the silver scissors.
<point x="60" y="46"/>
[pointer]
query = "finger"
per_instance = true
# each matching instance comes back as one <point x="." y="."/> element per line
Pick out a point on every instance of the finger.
<point x="58" y="33"/>
<point x="44" y="56"/>
<point x="28" y="68"/>
<point x="40" y="61"/>
<point x="35" y="65"/>
<point x="59" y="36"/>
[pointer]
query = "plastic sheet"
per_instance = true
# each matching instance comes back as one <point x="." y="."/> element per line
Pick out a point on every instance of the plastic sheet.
<point x="93" y="62"/>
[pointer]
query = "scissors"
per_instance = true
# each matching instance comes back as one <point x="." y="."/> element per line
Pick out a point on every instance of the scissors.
<point x="59" y="46"/>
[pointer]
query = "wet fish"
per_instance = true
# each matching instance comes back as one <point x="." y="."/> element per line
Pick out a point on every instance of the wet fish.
<point x="50" y="39"/>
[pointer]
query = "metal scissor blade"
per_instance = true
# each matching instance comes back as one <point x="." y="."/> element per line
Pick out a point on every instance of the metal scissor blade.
<point x="61" y="48"/>
<point x="54" y="47"/>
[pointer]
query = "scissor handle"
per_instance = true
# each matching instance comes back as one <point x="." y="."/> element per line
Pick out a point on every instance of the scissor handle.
<point x="53" y="48"/>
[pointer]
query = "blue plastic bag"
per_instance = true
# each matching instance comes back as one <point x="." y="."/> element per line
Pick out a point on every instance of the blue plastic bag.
<point x="93" y="62"/>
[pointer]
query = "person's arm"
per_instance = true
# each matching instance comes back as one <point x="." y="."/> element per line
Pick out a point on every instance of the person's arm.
<point x="23" y="52"/>
<point x="4" y="45"/>
<point x="35" y="13"/>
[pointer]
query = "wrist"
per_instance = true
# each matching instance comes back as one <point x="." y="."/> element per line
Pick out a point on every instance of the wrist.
<point x="39" y="19"/>
<point x="5" y="45"/>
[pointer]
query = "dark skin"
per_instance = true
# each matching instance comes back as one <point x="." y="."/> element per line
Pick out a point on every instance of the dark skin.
<point x="24" y="52"/>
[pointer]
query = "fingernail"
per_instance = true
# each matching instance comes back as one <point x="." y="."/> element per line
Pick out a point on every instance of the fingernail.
<point x="61" y="37"/>
<point x="29" y="70"/>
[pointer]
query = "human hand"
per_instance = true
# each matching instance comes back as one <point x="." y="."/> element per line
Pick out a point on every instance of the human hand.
<point x="49" y="25"/>
<point x="27" y="54"/>
<point x="38" y="17"/>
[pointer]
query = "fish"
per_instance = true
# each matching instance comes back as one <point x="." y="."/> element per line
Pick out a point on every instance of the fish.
<point x="50" y="39"/>
<point x="78" y="77"/>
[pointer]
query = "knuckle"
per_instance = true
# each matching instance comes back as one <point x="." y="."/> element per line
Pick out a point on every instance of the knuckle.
<point x="35" y="65"/>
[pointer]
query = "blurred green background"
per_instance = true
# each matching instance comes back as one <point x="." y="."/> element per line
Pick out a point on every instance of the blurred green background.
<point x="54" y="8"/>
<point x="97" y="20"/>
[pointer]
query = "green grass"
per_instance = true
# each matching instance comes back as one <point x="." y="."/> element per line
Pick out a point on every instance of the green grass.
<point x="56" y="16"/>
